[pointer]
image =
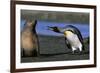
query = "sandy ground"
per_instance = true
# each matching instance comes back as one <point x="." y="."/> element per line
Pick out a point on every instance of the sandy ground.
<point x="54" y="49"/>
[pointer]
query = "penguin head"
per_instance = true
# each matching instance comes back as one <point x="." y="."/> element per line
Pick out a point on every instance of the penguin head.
<point x="55" y="29"/>
<point x="67" y="31"/>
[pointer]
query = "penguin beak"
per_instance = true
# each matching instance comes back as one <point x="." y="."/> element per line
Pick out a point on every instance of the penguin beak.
<point x="50" y="28"/>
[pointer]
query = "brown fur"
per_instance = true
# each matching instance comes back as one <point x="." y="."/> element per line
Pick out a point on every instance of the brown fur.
<point x="29" y="40"/>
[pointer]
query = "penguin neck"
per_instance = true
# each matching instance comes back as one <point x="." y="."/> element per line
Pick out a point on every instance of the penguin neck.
<point x="68" y="33"/>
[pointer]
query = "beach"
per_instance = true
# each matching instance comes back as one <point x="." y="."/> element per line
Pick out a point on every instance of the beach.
<point x="53" y="48"/>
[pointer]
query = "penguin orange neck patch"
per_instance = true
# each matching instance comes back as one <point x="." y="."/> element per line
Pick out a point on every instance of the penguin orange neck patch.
<point x="68" y="33"/>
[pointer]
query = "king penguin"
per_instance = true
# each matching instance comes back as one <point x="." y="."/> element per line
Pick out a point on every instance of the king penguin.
<point x="73" y="37"/>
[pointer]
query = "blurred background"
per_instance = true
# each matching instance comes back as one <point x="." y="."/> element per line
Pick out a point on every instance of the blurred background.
<point x="60" y="19"/>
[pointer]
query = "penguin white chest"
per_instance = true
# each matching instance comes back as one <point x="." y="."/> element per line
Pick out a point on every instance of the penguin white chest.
<point x="73" y="39"/>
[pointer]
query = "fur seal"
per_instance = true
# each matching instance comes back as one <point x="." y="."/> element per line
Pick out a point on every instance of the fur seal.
<point x="29" y="39"/>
